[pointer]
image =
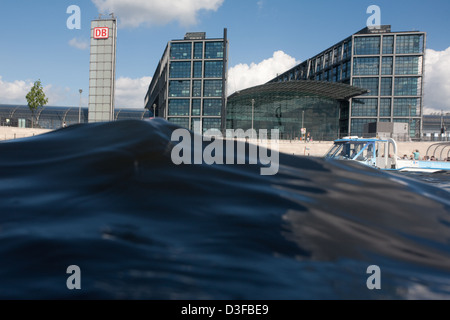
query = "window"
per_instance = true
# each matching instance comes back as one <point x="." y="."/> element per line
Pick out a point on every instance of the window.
<point x="197" y="88"/>
<point x="180" y="70"/>
<point x="407" y="65"/>
<point x="367" y="83"/>
<point x="214" y="50"/>
<point x="366" y="66"/>
<point x="179" y="107"/>
<point x="198" y="50"/>
<point x="211" y="123"/>
<point x="212" y="88"/>
<point x="212" y="107"/>
<point x="180" y="88"/>
<point x="320" y="64"/>
<point x="367" y="45"/>
<point x="388" y="44"/>
<point x="198" y="72"/>
<point x="364" y="107"/>
<point x="407" y="86"/>
<point x="182" y="122"/>
<point x="347" y="50"/>
<point x="346" y="70"/>
<point x="385" y="107"/>
<point x="213" y="69"/>
<point x="405" y="107"/>
<point x="196" y="107"/>
<point x="180" y="51"/>
<point x="409" y="44"/>
<point x="357" y="125"/>
<point x="386" y="67"/>
<point x="386" y="87"/>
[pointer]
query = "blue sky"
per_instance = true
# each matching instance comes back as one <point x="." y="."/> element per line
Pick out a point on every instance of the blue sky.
<point x="266" y="37"/>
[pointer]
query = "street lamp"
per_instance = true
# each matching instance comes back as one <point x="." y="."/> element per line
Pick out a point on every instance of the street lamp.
<point x="409" y="122"/>
<point x="303" y="119"/>
<point x="79" y="109"/>
<point x="154" y="110"/>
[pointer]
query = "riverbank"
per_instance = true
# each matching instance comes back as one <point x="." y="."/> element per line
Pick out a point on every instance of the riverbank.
<point x="298" y="148"/>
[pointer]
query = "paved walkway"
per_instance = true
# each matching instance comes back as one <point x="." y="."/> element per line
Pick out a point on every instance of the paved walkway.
<point x="10" y="133"/>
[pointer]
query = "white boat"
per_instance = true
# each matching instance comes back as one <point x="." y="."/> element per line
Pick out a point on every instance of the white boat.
<point x="382" y="154"/>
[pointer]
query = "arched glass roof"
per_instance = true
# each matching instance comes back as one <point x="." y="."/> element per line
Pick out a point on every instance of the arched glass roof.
<point x="333" y="90"/>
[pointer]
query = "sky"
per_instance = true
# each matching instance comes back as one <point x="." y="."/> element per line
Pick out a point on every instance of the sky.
<point x="266" y="37"/>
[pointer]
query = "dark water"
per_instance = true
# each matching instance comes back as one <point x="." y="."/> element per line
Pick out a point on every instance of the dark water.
<point x="108" y="198"/>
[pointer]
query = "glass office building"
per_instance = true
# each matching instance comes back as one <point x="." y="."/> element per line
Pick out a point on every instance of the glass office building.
<point x="291" y="106"/>
<point x="389" y="64"/>
<point x="189" y="84"/>
<point x="102" y="72"/>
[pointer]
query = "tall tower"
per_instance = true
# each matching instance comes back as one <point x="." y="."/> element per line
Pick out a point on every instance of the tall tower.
<point x="102" y="73"/>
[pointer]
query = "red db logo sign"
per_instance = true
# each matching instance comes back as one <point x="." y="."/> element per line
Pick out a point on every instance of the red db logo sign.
<point x="101" y="33"/>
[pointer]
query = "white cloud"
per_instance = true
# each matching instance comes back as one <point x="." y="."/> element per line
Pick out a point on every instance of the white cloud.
<point x="437" y="81"/>
<point x="79" y="44"/>
<point x="130" y="93"/>
<point x="243" y="76"/>
<point x="133" y="13"/>
<point x="14" y="92"/>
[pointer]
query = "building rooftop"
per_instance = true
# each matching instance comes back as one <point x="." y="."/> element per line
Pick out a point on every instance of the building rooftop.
<point x="195" y="36"/>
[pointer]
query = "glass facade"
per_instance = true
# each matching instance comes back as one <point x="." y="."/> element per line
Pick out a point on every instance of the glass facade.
<point x="407" y="44"/>
<point x="181" y="51"/>
<point x="368" y="83"/>
<point x="367" y="45"/>
<point x="389" y="64"/>
<point x="364" y="107"/>
<point x="408" y="65"/>
<point x="180" y="70"/>
<point x="214" y="50"/>
<point x="286" y="109"/>
<point x="194" y="89"/>
<point x="366" y="66"/>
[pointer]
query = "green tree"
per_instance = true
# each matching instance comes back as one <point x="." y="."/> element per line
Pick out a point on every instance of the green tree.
<point x="36" y="99"/>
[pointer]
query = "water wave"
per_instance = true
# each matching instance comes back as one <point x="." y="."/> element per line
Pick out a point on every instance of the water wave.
<point x="108" y="198"/>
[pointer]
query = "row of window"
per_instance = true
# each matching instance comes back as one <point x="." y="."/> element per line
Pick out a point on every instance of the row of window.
<point x="402" y="107"/>
<point x="193" y="123"/>
<point x="182" y="88"/>
<point x="183" y="69"/>
<point x="197" y="50"/>
<point x="336" y="55"/>
<point x="183" y="107"/>
<point x="403" y="86"/>
<point x="403" y="66"/>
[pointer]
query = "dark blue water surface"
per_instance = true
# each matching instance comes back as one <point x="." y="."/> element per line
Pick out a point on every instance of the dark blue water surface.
<point x="107" y="198"/>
